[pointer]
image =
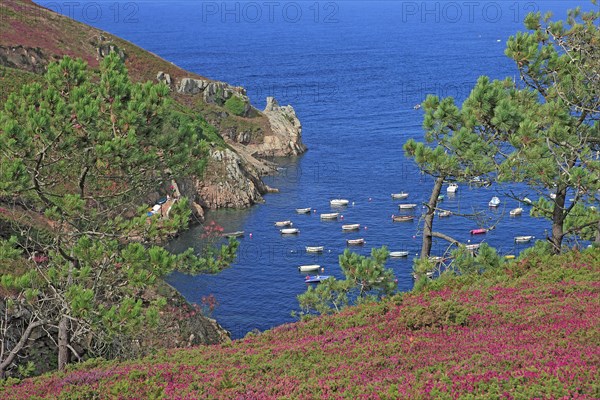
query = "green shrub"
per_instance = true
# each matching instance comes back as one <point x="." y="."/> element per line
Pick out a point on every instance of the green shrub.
<point x="236" y="106"/>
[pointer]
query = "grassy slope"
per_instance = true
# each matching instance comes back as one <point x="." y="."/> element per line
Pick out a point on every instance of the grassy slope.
<point x="529" y="330"/>
<point x="25" y="23"/>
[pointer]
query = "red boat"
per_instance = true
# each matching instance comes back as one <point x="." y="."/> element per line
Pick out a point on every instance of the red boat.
<point x="479" y="231"/>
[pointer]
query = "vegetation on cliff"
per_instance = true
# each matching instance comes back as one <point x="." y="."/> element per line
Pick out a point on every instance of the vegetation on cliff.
<point x="528" y="329"/>
<point x="79" y="155"/>
<point x="544" y="132"/>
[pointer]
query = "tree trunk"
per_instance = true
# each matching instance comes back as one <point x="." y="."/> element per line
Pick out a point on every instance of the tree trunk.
<point x="18" y="347"/>
<point x="63" y="342"/>
<point x="558" y="219"/>
<point x="428" y="225"/>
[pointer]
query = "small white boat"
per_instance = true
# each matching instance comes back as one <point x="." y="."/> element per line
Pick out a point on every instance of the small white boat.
<point x="330" y="216"/>
<point x="308" y="268"/>
<point x="314" y="249"/>
<point x="289" y="231"/>
<point x="316" y="278"/>
<point x="443" y="214"/>
<point x="523" y="239"/>
<point x="436" y="259"/>
<point x="472" y="247"/>
<point x="283" y="223"/>
<point x="553" y="196"/>
<point x="407" y="206"/>
<point x="402" y="218"/>
<point x="339" y="202"/>
<point x="399" y="196"/>
<point x="351" y="227"/>
<point x="494" y="202"/>
<point x="452" y="188"/>
<point x="303" y="210"/>
<point x="355" y="242"/>
<point x="516" y="211"/>
<point x="236" y="234"/>
<point x="397" y="254"/>
<point x="527" y="201"/>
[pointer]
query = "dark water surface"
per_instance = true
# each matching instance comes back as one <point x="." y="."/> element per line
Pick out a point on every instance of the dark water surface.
<point x="353" y="71"/>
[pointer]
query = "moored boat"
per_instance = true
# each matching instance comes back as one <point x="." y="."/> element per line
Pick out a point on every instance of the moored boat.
<point x="398" y="254"/>
<point x="234" y="234"/>
<point x="443" y="214"/>
<point x="478" y="231"/>
<point x="407" y="206"/>
<point x="351" y="227"/>
<point x="303" y="210"/>
<point x="473" y="246"/>
<point x="516" y="211"/>
<point x="402" y="218"/>
<point x="428" y="274"/>
<point x="441" y="197"/>
<point x="308" y="268"/>
<point x="523" y="239"/>
<point x="283" y="223"/>
<point x="452" y="188"/>
<point x="316" y="278"/>
<point x="339" y="202"/>
<point x="527" y="201"/>
<point x="494" y="202"/>
<point x="289" y="231"/>
<point x="399" y="196"/>
<point x="314" y="249"/>
<point x="355" y="242"/>
<point x="330" y="216"/>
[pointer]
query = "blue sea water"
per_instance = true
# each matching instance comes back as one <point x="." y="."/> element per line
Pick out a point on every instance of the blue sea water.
<point x="353" y="71"/>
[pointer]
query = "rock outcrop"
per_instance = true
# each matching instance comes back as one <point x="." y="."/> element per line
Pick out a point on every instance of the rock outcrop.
<point x="285" y="138"/>
<point x="230" y="182"/>
<point x="215" y="92"/>
<point x="25" y="58"/>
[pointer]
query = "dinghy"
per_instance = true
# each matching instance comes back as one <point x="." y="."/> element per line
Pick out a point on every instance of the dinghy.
<point x="283" y="223"/>
<point x="403" y="218"/>
<point x="314" y="249"/>
<point x="479" y="231"/>
<point x="494" y="202"/>
<point x="523" y="239"/>
<point x="289" y="231"/>
<point x="303" y="210"/>
<point x="234" y="234"/>
<point x="355" y="242"/>
<point x="316" y="278"/>
<point x="330" y="216"/>
<point x="308" y="268"/>
<point x="339" y="202"/>
<point x="407" y="206"/>
<point x="443" y="214"/>
<point x="452" y="188"/>
<point x="398" y="254"/>
<point x="516" y="211"/>
<point x="351" y="227"/>
<point x="399" y="196"/>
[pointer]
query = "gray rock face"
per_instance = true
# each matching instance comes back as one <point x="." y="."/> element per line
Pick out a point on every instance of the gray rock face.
<point x="286" y="131"/>
<point x="230" y="182"/>
<point x="163" y="77"/>
<point x="26" y="58"/>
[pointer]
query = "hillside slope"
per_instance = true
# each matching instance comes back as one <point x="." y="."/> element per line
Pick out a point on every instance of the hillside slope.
<point x="528" y="330"/>
<point x="32" y="36"/>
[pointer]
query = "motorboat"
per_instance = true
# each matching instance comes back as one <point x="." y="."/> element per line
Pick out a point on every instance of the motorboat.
<point x="452" y="188"/>
<point x="303" y="210"/>
<point x="289" y="231"/>
<point x="494" y="202"/>
<point x="443" y="214"/>
<point x="316" y="278"/>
